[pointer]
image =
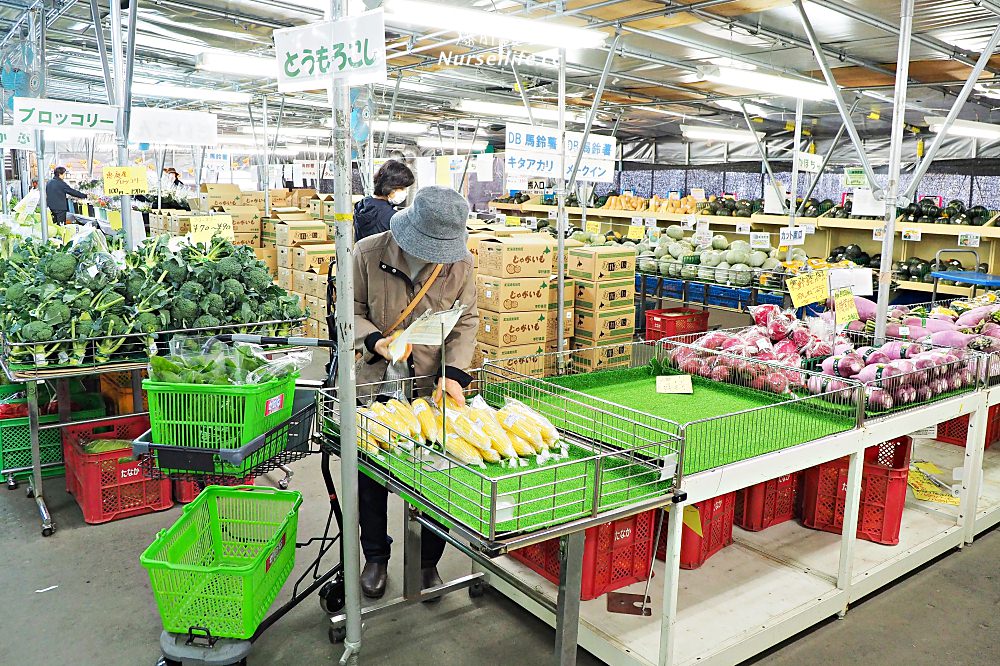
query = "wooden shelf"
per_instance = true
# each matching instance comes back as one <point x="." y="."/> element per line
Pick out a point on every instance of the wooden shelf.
<point x="946" y="289"/>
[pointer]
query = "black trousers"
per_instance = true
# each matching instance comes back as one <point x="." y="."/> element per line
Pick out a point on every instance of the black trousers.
<point x="59" y="216"/>
<point x="373" y="510"/>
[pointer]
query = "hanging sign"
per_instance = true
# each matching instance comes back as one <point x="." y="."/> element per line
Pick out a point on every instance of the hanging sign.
<point x="688" y="222"/>
<point x="846" y="309"/>
<point x="760" y="240"/>
<point x="218" y="159"/>
<point x="12" y="139"/>
<point x="43" y="114"/>
<point x="808" y="162"/>
<point x="855" y="177"/>
<point x="636" y="232"/>
<point x="789" y="236"/>
<point x="516" y="182"/>
<point x="773" y="201"/>
<point x="305" y="169"/>
<point x="743" y="227"/>
<point x="125" y="180"/>
<point x="593" y="227"/>
<point x="878" y="233"/>
<point x="864" y="203"/>
<point x="350" y="50"/>
<point x="204" y="227"/>
<point x="911" y="234"/>
<point x="698" y="193"/>
<point x="177" y="128"/>
<point x="808" y="289"/>
<point x="968" y="240"/>
<point x="534" y="151"/>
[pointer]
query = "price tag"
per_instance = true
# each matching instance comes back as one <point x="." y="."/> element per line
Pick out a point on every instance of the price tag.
<point x="654" y="233"/>
<point x="125" y="180"/>
<point x="687" y="222"/>
<point x="627" y="193"/>
<point x="674" y="195"/>
<point x="698" y="193"/>
<point x="968" y="240"/>
<point x="743" y="228"/>
<point x="651" y="222"/>
<point x="807" y="289"/>
<point x="512" y="220"/>
<point x="553" y="214"/>
<point x="204" y="227"/>
<point x="911" y="234"/>
<point x="760" y="240"/>
<point x="492" y="208"/>
<point x="843" y="302"/>
<point x="792" y="236"/>
<point x="702" y="237"/>
<point x="636" y="232"/>
<point x="904" y="331"/>
<point x="878" y="233"/>
<point x="593" y="227"/>
<point x="531" y="222"/>
<point x="809" y="228"/>
<point x="701" y="227"/>
<point x="637" y="220"/>
<point x="673" y="384"/>
<point x="855" y="177"/>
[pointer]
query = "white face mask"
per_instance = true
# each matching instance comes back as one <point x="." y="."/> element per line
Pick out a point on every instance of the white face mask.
<point x="397" y="197"/>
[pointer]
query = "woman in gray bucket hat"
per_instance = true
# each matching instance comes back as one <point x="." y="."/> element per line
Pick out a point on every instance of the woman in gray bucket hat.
<point x="427" y="244"/>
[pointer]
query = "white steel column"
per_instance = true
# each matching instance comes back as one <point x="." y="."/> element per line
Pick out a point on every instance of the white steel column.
<point x="852" y="506"/>
<point x="561" y="209"/>
<point x="671" y="584"/>
<point x="793" y="187"/>
<point x="972" y="470"/>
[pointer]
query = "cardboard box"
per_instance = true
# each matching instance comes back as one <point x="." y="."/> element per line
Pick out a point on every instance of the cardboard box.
<point x="318" y="207"/>
<point x="268" y="233"/>
<point x="593" y="328"/>
<point x="289" y="233"/>
<point x="178" y="226"/>
<point x="315" y="257"/>
<point x="611" y="354"/>
<point x="569" y="292"/>
<point x="609" y="295"/>
<point x="311" y="328"/>
<point x="513" y="257"/>
<point x="302" y="196"/>
<point x="251" y="239"/>
<point x="551" y="330"/>
<point x="315" y="284"/>
<point x="268" y="255"/>
<point x="219" y="194"/>
<point x="246" y="219"/>
<point x="602" y="263"/>
<point x="505" y="329"/>
<point x="522" y="359"/>
<point x="512" y="294"/>
<point x="322" y="329"/>
<point x="316" y="307"/>
<point x="286" y="278"/>
<point x="473" y="245"/>
<point x="253" y="199"/>
<point x="279" y="198"/>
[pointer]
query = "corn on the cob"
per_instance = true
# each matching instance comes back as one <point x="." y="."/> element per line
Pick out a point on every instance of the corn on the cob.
<point x="390" y="418"/>
<point x="462" y="450"/>
<point x="406" y="413"/>
<point x="519" y="424"/>
<point x="523" y="447"/>
<point x="430" y="423"/>
<point x="500" y="439"/>
<point x="469" y="432"/>
<point x="372" y="430"/>
<point x="549" y="432"/>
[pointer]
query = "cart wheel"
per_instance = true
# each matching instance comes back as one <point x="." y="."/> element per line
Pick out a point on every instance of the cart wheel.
<point x="30" y="492"/>
<point x="337" y="634"/>
<point x="48" y="531"/>
<point x="11" y="483"/>
<point x="331" y="596"/>
<point x="168" y="662"/>
<point x="283" y="483"/>
<point x="477" y="589"/>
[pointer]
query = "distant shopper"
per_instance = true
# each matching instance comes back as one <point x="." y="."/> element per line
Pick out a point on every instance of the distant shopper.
<point x="56" y="191"/>
<point x="176" y="176"/>
<point x="371" y="214"/>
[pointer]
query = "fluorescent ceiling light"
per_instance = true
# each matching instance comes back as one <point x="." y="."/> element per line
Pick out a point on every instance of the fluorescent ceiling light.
<point x="968" y="128"/>
<point x="253" y="66"/>
<point x="238" y="140"/>
<point x="243" y="150"/>
<point x="497" y="5"/>
<point x="501" y="110"/>
<point x="448" y="143"/>
<point x="490" y="24"/>
<point x="768" y="83"/>
<point x="719" y="134"/>
<point x="733" y="105"/>
<point x="662" y="112"/>
<point x="190" y="93"/>
<point x="302" y="132"/>
<point x="398" y="127"/>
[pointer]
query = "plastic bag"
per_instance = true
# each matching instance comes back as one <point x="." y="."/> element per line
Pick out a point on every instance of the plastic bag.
<point x="280" y="368"/>
<point x="199" y="360"/>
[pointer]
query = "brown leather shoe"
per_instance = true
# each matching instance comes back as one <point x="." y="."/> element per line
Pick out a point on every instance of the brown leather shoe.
<point x="429" y="578"/>
<point x="373" y="578"/>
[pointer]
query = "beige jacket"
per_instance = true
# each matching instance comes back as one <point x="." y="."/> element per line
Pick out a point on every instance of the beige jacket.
<point x="382" y="290"/>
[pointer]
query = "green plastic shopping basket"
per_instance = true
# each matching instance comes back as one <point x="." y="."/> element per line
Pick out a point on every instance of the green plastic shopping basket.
<point x="217" y="417"/>
<point x="221" y="565"/>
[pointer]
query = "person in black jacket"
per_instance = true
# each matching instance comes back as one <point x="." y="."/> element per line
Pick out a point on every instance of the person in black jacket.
<point x="56" y="191"/>
<point x="372" y="214"/>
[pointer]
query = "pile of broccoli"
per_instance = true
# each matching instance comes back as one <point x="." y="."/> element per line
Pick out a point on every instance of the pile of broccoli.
<point x="76" y="304"/>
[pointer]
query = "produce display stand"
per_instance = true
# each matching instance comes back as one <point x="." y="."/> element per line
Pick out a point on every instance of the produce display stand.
<point x="132" y="355"/>
<point x="775" y="583"/>
<point x="711" y="295"/>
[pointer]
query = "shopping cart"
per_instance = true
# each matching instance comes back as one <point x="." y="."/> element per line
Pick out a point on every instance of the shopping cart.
<point x="284" y="443"/>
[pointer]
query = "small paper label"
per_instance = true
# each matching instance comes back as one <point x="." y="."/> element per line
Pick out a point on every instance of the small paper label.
<point x="809" y="228"/>
<point x="593" y="227"/>
<point x="487" y="328"/>
<point x="743" y="228"/>
<point x="274" y="404"/>
<point x="760" y="240"/>
<point x="419" y="407"/>
<point x="904" y="331"/>
<point x="911" y="234"/>
<point x="512" y="220"/>
<point x="878" y="233"/>
<point x="702" y="227"/>
<point x="673" y="384"/>
<point x="698" y="193"/>
<point x="792" y="236"/>
<point x="489" y="294"/>
<point x="928" y="432"/>
<point x="968" y="240"/>
<point x="274" y="553"/>
<point x="650" y="221"/>
<point x="553" y="214"/>
<point x="688" y="222"/>
<point x="637" y="220"/>
<point x="636" y="232"/>
<point x="531" y="222"/>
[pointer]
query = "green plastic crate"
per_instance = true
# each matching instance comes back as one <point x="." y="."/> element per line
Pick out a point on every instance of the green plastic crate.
<point x="15" y="440"/>
<point x="216" y="417"/>
<point x="222" y="564"/>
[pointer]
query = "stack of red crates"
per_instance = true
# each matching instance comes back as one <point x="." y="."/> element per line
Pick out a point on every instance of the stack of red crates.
<point x="883" y="493"/>
<point x="110" y="486"/>
<point x="716" y="516"/>
<point x="616" y="554"/>
<point x="766" y="504"/>
<point x="956" y="430"/>
<point x="669" y="322"/>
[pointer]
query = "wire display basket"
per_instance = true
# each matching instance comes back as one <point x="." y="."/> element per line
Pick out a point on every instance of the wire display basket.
<point x="284" y="443"/>
<point x="23" y="361"/>
<point x="585" y="479"/>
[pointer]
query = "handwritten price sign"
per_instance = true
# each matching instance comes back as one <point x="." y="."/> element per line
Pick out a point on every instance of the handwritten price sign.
<point x="843" y="303"/>
<point x="809" y="288"/>
<point x="125" y="180"/>
<point x="204" y="227"/>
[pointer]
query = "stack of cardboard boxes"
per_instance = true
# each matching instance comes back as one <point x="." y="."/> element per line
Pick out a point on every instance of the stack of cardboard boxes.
<point x="604" y="279"/>
<point x="304" y="257"/>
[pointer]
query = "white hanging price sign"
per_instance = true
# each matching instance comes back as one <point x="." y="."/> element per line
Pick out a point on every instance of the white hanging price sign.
<point x="743" y="228"/>
<point x="808" y="228"/>
<point x="760" y="240"/>
<point x="701" y="227"/>
<point x="968" y="240"/>
<point x="878" y="233"/>
<point x="911" y="234"/>
<point x="651" y="222"/>
<point x="792" y="236"/>
<point x="687" y="222"/>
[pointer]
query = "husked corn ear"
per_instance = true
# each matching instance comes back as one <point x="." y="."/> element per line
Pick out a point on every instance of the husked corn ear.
<point x="390" y="418"/>
<point x="450" y="404"/>
<point x="406" y="413"/>
<point x="523" y="447"/>
<point x="493" y="429"/>
<point x="367" y="444"/>
<point x="471" y="432"/>
<point x="462" y="450"/>
<point x="371" y="424"/>
<point x="518" y="424"/>
<point x="549" y="432"/>
<point x="429" y="419"/>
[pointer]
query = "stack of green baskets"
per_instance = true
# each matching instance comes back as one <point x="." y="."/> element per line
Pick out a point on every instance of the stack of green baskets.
<point x="221" y="565"/>
<point x="220" y="417"/>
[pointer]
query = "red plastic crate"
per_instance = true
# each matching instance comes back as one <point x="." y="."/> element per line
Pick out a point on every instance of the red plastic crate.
<point x="765" y="504"/>
<point x="111" y="486"/>
<point x="956" y="430"/>
<point x="716" y="532"/>
<point x="883" y="493"/>
<point x="674" y="321"/>
<point x="616" y="555"/>
<point x="186" y="491"/>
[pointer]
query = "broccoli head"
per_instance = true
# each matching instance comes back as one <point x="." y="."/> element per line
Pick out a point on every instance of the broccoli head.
<point x="290" y="308"/>
<point x="232" y="291"/>
<point x="59" y="267"/>
<point x="191" y="291"/>
<point x="207" y="321"/>
<point x="134" y="286"/>
<point x="270" y="310"/>
<point x="177" y="272"/>
<point x="147" y="322"/>
<point x="183" y="311"/>
<point x="229" y="267"/>
<point x="213" y="305"/>
<point x="257" y="279"/>
<point x="37" y="331"/>
<point x="17" y="295"/>
<point x="55" y="313"/>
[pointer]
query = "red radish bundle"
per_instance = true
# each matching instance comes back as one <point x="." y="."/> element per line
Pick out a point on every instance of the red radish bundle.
<point x="786" y="347"/>
<point x="819" y="349"/>
<point x="778" y="328"/>
<point x="762" y="314"/>
<point x="802" y="337"/>
<point x="712" y="340"/>
<point x="776" y="382"/>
